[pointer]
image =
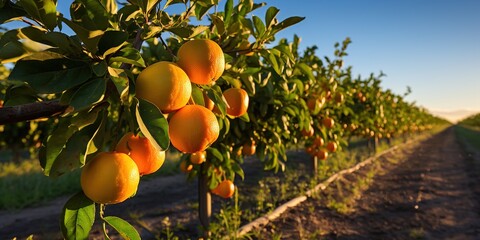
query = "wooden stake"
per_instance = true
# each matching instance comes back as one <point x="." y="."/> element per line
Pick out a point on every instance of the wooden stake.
<point x="204" y="201"/>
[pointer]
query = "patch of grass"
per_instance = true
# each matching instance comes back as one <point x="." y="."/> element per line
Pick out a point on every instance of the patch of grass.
<point x="417" y="233"/>
<point x="24" y="184"/>
<point x="468" y="136"/>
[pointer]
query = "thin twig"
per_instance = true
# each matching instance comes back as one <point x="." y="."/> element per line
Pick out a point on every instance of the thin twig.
<point x="168" y="48"/>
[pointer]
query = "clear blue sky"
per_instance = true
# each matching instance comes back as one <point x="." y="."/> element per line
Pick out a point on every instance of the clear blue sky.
<point x="433" y="46"/>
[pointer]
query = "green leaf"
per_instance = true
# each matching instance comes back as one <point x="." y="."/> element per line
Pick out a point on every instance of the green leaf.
<point x="99" y="68"/>
<point x="305" y="69"/>
<point x="153" y="124"/>
<point x="90" y="14"/>
<point x="88" y="94"/>
<point x="238" y="170"/>
<point x="48" y="13"/>
<point x="77" y="217"/>
<point x="126" y="230"/>
<point x="245" y="117"/>
<point x="228" y="11"/>
<point x="218" y="23"/>
<point x="10" y="13"/>
<point x="145" y="5"/>
<point x="52" y="164"/>
<point x="120" y="79"/>
<point x="48" y="72"/>
<point x="259" y="26"/>
<point x="12" y="52"/>
<point x="197" y="95"/>
<point x="89" y="37"/>
<point x="19" y="94"/>
<point x="215" y="153"/>
<point x="111" y="41"/>
<point x="110" y="6"/>
<point x="31" y="8"/>
<point x="129" y="55"/>
<point x="270" y="16"/>
<point x="74" y="154"/>
<point x="288" y="22"/>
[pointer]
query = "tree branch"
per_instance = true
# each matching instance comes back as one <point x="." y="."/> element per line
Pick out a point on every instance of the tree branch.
<point x="30" y="111"/>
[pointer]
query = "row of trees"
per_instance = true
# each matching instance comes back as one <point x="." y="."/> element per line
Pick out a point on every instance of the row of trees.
<point x="78" y="92"/>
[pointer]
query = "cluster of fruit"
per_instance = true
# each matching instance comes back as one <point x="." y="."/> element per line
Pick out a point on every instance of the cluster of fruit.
<point x="112" y="177"/>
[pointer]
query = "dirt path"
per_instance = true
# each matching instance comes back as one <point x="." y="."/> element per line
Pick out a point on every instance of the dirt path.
<point x="433" y="194"/>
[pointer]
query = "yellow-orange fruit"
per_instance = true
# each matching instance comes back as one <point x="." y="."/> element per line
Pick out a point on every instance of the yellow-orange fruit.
<point x="237" y="101"/>
<point x="109" y="178"/>
<point x="148" y="158"/>
<point x="193" y="128"/>
<point x="198" y="158"/>
<point x="202" y="60"/>
<point x="164" y="84"/>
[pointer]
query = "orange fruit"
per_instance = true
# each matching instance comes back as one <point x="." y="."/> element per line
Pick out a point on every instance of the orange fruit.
<point x="318" y="141"/>
<point x="147" y="157"/>
<point x="308" y="132"/>
<point x="202" y="60"/>
<point x="322" y="154"/>
<point x="314" y="103"/>
<point x="328" y="122"/>
<point x="225" y="189"/>
<point x="339" y="98"/>
<point x="249" y="148"/>
<point x="164" y="84"/>
<point x="185" y="167"/>
<point x="198" y="158"/>
<point x="332" y="146"/>
<point x="237" y="101"/>
<point x="109" y="178"/>
<point x="193" y="128"/>
<point x="311" y="150"/>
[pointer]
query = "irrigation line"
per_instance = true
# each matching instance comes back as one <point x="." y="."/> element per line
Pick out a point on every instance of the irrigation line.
<point x="264" y="220"/>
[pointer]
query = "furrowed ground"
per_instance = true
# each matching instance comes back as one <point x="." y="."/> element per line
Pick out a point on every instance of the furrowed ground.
<point x="430" y="191"/>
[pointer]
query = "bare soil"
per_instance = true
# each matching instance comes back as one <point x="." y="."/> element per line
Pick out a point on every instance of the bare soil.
<point x="430" y="193"/>
<point x="433" y="193"/>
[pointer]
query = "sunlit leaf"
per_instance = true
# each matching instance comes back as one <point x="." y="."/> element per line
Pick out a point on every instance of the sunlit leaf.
<point x="153" y="124"/>
<point x="77" y="217"/>
<point x="126" y="230"/>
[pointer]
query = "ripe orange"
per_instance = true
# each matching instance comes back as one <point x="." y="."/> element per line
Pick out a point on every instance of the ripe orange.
<point x="164" y="84"/>
<point x="198" y="158"/>
<point x="308" y="132"/>
<point x="225" y="189"/>
<point x="148" y="158"/>
<point x="193" y="128"/>
<point x="332" y="146"/>
<point x="315" y="104"/>
<point x="110" y="177"/>
<point x="318" y="141"/>
<point x="322" y="154"/>
<point x="328" y="122"/>
<point x="339" y="98"/>
<point x="202" y="60"/>
<point x="185" y="168"/>
<point x="312" y="150"/>
<point x="249" y="148"/>
<point x="237" y="101"/>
